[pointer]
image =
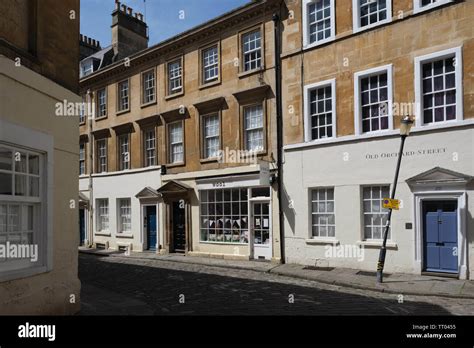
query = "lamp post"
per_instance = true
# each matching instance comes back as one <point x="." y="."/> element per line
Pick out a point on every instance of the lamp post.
<point x="405" y="127"/>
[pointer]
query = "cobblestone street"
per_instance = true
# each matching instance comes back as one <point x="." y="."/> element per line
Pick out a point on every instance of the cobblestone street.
<point x="121" y="285"/>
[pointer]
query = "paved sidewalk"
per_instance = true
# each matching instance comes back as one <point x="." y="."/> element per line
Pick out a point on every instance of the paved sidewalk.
<point x="396" y="283"/>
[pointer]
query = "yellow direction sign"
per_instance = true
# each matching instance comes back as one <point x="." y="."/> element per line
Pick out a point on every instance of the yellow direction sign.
<point x="391" y="203"/>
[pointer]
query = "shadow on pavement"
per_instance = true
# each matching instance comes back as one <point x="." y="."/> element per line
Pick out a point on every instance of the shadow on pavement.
<point x="113" y="288"/>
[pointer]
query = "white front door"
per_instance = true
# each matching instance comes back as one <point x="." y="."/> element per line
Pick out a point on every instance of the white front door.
<point x="261" y="231"/>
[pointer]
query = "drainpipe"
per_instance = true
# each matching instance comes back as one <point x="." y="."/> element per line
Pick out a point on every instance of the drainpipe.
<point x="279" y="117"/>
<point x="90" y="117"/>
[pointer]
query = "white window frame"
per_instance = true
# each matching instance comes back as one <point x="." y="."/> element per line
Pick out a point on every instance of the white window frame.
<point x="213" y="66"/>
<point x="82" y="158"/>
<point x="123" y="98"/>
<point x="357" y="97"/>
<point x="311" y="212"/>
<point x="120" y="218"/>
<point x="457" y="52"/>
<point x="206" y="137"/>
<point x="171" y="157"/>
<point x="417" y="8"/>
<point x="243" y="236"/>
<point x="175" y="75"/>
<point x="26" y="138"/>
<point x="100" y="216"/>
<point x="356" y="17"/>
<point x="149" y="160"/>
<point x="307" y="109"/>
<point x="363" y="213"/>
<point x="87" y="68"/>
<point x="124" y="155"/>
<point x="148" y="84"/>
<point x="100" y="157"/>
<point x="100" y="104"/>
<point x="249" y="53"/>
<point x="248" y="129"/>
<point x="306" y="42"/>
<point x="82" y="111"/>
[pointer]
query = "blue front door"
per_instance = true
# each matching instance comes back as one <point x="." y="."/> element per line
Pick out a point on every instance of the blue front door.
<point x="440" y="236"/>
<point x="82" y="227"/>
<point x="151" y="227"/>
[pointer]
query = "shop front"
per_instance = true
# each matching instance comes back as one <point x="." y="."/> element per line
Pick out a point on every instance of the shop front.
<point x="235" y="218"/>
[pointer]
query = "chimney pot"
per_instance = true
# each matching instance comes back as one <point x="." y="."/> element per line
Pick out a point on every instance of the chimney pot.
<point x="130" y="10"/>
<point x="80" y="37"/>
<point x="140" y="17"/>
<point x="117" y="4"/>
<point x="98" y="43"/>
<point x="124" y="8"/>
<point x="93" y="42"/>
<point x="89" y="41"/>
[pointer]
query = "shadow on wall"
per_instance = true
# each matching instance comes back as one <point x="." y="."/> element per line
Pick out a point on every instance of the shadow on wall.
<point x="288" y="210"/>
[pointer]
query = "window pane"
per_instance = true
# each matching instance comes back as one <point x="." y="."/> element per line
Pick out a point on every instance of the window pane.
<point x="439" y="77"/>
<point x="20" y="185"/>
<point x="372" y="12"/>
<point x="5" y="159"/>
<point x="321" y="112"/>
<point x="6" y="184"/>
<point x="374" y="105"/>
<point x="34" y="187"/>
<point x="252" y="50"/>
<point x="33" y="164"/>
<point x="253" y="123"/>
<point x="375" y="216"/>
<point x="322" y="212"/>
<point x="3" y="218"/>
<point x="221" y="218"/>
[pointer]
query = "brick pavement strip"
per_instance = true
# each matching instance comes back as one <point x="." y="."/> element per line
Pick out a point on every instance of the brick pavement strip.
<point x="122" y="285"/>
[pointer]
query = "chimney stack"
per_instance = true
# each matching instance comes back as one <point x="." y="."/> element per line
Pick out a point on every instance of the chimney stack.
<point x="87" y="46"/>
<point x="129" y="31"/>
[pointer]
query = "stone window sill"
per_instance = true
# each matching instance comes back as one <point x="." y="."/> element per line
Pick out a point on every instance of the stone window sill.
<point x="322" y="241"/>
<point x="376" y="244"/>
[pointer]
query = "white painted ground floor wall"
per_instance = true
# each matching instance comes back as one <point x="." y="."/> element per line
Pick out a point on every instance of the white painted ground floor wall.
<point x="115" y="186"/>
<point x="347" y="166"/>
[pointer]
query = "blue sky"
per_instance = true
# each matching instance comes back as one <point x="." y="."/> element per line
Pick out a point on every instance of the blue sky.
<point x="162" y="16"/>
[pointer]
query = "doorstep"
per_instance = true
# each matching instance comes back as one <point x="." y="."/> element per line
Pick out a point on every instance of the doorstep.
<point x="98" y="252"/>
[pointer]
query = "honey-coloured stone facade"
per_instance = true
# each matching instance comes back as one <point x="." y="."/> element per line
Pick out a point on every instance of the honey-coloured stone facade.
<point x="407" y="36"/>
